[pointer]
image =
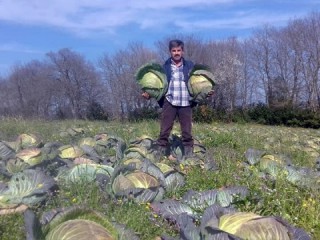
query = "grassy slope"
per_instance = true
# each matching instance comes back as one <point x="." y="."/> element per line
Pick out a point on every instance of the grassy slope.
<point x="226" y="143"/>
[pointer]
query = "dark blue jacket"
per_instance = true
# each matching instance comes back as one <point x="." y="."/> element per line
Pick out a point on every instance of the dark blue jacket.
<point x="187" y="67"/>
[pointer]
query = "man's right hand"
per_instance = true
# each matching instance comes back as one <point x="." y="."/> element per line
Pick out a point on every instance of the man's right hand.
<point x="210" y="93"/>
<point x="145" y="95"/>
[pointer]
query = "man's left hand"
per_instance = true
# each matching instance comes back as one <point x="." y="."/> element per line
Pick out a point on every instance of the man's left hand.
<point x="145" y="95"/>
<point x="210" y="93"/>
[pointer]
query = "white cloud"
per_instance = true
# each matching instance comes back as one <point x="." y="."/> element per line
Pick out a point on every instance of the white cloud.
<point x="101" y="15"/>
<point x="86" y="16"/>
<point x="247" y="21"/>
<point x="19" y="48"/>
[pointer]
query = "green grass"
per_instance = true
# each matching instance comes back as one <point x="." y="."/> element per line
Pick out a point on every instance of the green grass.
<point x="225" y="143"/>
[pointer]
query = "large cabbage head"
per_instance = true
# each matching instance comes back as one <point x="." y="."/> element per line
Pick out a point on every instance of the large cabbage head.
<point x="74" y="223"/>
<point x="140" y="186"/>
<point x="29" y="187"/>
<point x="70" y="151"/>
<point x="152" y="79"/>
<point x="251" y="226"/>
<point x="201" y="82"/>
<point x="29" y="140"/>
<point x="31" y="155"/>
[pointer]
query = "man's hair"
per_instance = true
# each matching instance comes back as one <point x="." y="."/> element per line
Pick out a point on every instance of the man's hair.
<point x="176" y="43"/>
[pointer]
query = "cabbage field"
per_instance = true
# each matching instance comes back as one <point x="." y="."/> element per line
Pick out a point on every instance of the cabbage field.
<point x="106" y="180"/>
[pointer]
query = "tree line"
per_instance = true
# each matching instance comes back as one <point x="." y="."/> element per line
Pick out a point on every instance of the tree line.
<point x="279" y="67"/>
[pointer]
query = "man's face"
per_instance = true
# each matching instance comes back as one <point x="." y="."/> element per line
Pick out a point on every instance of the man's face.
<point x="176" y="53"/>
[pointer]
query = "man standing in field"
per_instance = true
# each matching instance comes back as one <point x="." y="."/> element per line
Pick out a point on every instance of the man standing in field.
<point x="176" y="102"/>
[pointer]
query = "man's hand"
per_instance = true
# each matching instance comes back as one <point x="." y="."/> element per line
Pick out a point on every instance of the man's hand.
<point x="145" y="95"/>
<point x="210" y="93"/>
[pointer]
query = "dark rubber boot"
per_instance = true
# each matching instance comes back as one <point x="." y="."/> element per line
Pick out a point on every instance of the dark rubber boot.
<point x="188" y="151"/>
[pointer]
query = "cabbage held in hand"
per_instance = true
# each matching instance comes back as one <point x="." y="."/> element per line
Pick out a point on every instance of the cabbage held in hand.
<point x="152" y="79"/>
<point x="201" y="82"/>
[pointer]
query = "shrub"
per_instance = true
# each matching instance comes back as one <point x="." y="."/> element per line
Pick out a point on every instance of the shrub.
<point x="240" y="115"/>
<point x="96" y="112"/>
<point x="286" y="115"/>
<point x="203" y="114"/>
<point x="145" y="113"/>
<point x="259" y="113"/>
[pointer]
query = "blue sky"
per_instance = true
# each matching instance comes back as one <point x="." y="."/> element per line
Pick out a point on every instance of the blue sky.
<point x="31" y="28"/>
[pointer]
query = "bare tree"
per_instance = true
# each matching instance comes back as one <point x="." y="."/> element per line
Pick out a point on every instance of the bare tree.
<point x="226" y="61"/>
<point x="118" y="73"/>
<point x="77" y="82"/>
<point x="311" y="59"/>
<point x="290" y="61"/>
<point x="6" y="106"/>
<point x="30" y="90"/>
<point x="286" y="62"/>
<point x="262" y="59"/>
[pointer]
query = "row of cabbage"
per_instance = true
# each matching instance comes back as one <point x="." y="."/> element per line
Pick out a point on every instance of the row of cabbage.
<point x="33" y="170"/>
